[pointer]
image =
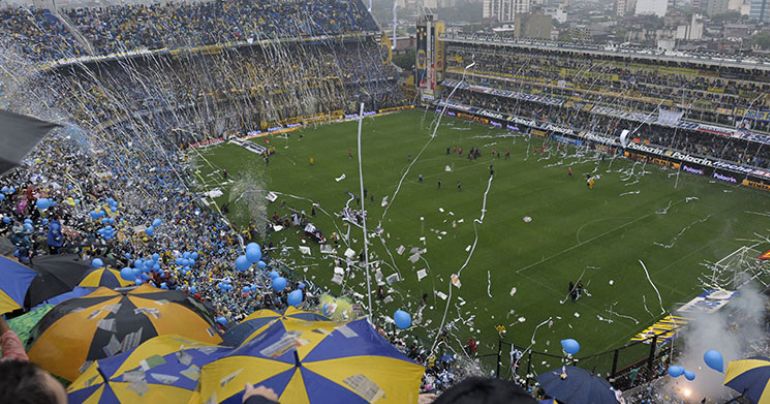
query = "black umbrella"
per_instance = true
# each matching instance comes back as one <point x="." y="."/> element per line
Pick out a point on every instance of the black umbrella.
<point x="6" y="247"/>
<point x="57" y="274"/>
<point x="571" y="385"/>
<point x="18" y="136"/>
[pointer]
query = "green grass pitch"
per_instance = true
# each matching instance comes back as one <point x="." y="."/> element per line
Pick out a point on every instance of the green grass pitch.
<point x="600" y="233"/>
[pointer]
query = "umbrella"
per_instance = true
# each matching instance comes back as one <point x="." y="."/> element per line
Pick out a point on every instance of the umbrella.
<point x="16" y="279"/>
<point x="18" y="136"/>
<point x="23" y="324"/>
<point x="104" y="277"/>
<point x="6" y="246"/>
<point x="350" y="364"/>
<point x="750" y="377"/>
<point x="573" y="385"/>
<point x="57" y="274"/>
<point x="107" y="322"/>
<point x="164" y="368"/>
<point x="259" y="321"/>
<point x="77" y="292"/>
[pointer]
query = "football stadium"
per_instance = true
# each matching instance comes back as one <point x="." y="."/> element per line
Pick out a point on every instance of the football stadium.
<point x="248" y="201"/>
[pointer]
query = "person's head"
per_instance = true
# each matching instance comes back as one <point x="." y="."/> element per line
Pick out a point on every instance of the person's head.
<point x="25" y="383"/>
<point x="481" y="390"/>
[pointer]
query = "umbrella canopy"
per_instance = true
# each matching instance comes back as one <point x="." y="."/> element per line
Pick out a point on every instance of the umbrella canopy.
<point x="106" y="277"/>
<point x="260" y="320"/>
<point x="107" y="322"/>
<point x="24" y="324"/>
<point x="750" y="377"/>
<point x="6" y="246"/>
<point x="351" y="364"/>
<point x="77" y="292"/>
<point x="57" y="274"/>
<point x="16" y="280"/>
<point x="18" y="136"/>
<point x="571" y="385"/>
<point x="164" y="368"/>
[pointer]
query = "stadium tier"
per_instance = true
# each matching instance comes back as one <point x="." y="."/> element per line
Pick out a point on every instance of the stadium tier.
<point x="716" y="111"/>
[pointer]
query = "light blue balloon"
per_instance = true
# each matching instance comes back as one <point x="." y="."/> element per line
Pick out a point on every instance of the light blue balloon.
<point x="155" y="257"/>
<point x="301" y="285"/>
<point x="138" y="282"/>
<point x="127" y="274"/>
<point x="261" y="264"/>
<point x="144" y="276"/>
<point x="186" y="254"/>
<point x="139" y="263"/>
<point x="28" y="227"/>
<point x="570" y="346"/>
<point x="6" y="219"/>
<point x="156" y="222"/>
<point x="253" y="252"/>
<point x="279" y="284"/>
<point x="689" y="375"/>
<point x="714" y="360"/>
<point x="295" y="298"/>
<point x="2" y="197"/>
<point x="221" y="320"/>
<point x="163" y="285"/>
<point x="193" y="289"/>
<point x="180" y="262"/>
<point x="194" y="255"/>
<point x="273" y="274"/>
<point x="150" y="231"/>
<point x="675" y="371"/>
<point x="97" y="263"/>
<point x="242" y="263"/>
<point x="402" y="319"/>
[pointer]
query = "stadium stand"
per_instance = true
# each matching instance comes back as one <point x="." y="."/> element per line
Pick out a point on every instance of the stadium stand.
<point x="717" y="111"/>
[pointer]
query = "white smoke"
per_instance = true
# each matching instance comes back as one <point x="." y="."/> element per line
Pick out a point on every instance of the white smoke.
<point x="737" y="331"/>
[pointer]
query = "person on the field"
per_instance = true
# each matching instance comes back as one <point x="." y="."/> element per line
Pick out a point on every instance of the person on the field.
<point x="569" y="171"/>
<point x="439" y="184"/>
<point x="420" y="178"/>
<point x="459" y="186"/>
<point x="572" y="291"/>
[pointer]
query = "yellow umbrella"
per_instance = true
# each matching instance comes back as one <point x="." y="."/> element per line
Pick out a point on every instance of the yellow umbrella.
<point x="104" y="277"/>
<point x="164" y="368"/>
<point x="260" y="320"/>
<point x="107" y="322"/>
<point x="751" y="378"/>
<point x="16" y="279"/>
<point x="351" y="363"/>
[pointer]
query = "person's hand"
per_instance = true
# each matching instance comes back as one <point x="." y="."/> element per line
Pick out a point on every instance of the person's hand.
<point x="3" y="325"/>
<point x="426" y="398"/>
<point x="259" y="391"/>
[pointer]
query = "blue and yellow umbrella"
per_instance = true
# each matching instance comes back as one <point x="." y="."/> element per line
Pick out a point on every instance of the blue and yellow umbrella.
<point x="751" y="378"/>
<point x="260" y="320"/>
<point x="16" y="279"/>
<point x="106" y="277"/>
<point x="164" y="368"/>
<point x="351" y="363"/>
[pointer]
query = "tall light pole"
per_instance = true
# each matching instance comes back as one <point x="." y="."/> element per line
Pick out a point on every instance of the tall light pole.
<point x="395" y="23"/>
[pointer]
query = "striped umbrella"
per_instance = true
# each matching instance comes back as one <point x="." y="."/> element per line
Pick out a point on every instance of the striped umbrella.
<point x="751" y="378"/>
<point x="350" y="364"/>
<point x="16" y="279"/>
<point x="104" y="277"/>
<point x="107" y="322"/>
<point x="164" y="368"/>
<point x="260" y="320"/>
